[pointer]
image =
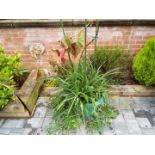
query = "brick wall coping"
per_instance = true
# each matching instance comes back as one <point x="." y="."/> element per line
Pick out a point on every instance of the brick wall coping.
<point x="68" y="22"/>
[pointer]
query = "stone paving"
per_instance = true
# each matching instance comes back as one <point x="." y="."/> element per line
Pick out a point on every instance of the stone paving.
<point x="136" y="117"/>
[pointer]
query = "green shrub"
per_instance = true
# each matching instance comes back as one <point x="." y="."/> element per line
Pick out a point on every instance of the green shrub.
<point x="51" y="82"/>
<point x="10" y="66"/>
<point x="63" y="70"/>
<point x="6" y="93"/>
<point x="82" y="86"/>
<point x="144" y="64"/>
<point x="108" y="58"/>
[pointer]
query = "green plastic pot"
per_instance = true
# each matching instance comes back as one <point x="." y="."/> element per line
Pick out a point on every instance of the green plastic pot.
<point x="90" y="107"/>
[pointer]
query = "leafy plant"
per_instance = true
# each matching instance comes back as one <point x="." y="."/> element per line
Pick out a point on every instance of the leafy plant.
<point x="105" y="114"/>
<point x="71" y="51"/>
<point x="51" y="82"/>
<point x="63" y="70"/>
<point x="6" y="93"/>
<point x="84" y="96"/>
<point x="144" y="64"/>
<point x="72" y="47"/>
<point x="108" y="58"/>
<point x="10" y="66"/>
<point x="81" y="87"/>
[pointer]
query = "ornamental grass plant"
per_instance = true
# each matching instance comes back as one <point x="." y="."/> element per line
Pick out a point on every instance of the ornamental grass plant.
<point x="84" y="96"/>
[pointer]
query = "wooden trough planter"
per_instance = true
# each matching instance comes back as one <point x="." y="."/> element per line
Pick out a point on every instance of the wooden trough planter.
<point x="25" y="103"/>
<point x="114" y="90"/>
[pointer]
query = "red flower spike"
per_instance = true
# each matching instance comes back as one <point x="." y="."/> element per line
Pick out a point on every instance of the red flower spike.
<point x="58" y="52"/>
<point x="74" y="47"/>
<point x="61" y="55"/>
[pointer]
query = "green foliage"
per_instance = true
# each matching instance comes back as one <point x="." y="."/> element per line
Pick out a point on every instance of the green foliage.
<point x="84" y="96"/>
<point x="64" y="125"/>
<point x="6" y="93"/>
<point x="63" y="70"/>
<point x="105" y="114"/>
<point x="144" y="64"/>
<point x="51" y="82"/>
<point x="10" y="66"/>
<point x="80" y="87"/>
<point x="108" y="58"/>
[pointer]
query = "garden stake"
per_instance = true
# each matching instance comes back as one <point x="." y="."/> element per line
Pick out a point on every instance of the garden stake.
<point x="93" y="38"/>
<point x="62" y="26"/>
<point x="96" y="35"/>
<point x="85" y="43"/>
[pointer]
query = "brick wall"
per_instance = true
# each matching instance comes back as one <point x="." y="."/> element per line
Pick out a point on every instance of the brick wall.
<point x="132" y="38"/>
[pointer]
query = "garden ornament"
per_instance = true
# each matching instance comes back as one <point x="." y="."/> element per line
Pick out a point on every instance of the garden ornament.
<point x="36" y="50"/>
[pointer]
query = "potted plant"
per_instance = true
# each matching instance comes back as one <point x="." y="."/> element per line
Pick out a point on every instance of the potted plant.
<point x="84" y="96"/>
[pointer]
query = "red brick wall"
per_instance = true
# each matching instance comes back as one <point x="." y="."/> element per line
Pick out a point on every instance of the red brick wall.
<point x="132" y="38"/>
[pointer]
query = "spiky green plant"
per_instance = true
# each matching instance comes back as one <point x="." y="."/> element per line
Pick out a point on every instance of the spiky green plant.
<point x="82" y="86"/>
<point x="84" y="98"/>
<point x="108" y="58"/>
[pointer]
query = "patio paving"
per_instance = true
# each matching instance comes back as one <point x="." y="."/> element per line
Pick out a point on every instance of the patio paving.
<point x="136" y="117"/>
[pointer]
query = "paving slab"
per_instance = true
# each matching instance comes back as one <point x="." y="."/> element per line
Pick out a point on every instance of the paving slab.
<point x="119" y="126"/>
<point x="1" y="122"/>
<point x="125" y="103"/>
<point x="40" y="111"/>
<point x="143" y="122"/>
<point x="147" y="131"/>
<point x="49" y="112"/>
<point x="10" y="123"/>
<point x="139" y="113"/>
<point x="43" y="101"/>
<point x="133" y="127"/>
<point x="41" y="131"/>
<point x="142" y="102"/>
<point x="29" y="131"/>
<point x="46" y="122"/>
<point x="5" y="131"/>
<point x="114" y="101"/>
<point x="149" y="116"/>
<point x="136" y="116"/>
<point x="108" y="131"/>
<point x="34" y="123"/>
<point x="16" y="131"/>
<point x="128" y="114"/>
<point x="21" y="123"/>
<point x="152" y="110"/>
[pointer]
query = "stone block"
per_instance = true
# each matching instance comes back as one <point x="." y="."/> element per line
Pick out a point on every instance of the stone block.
<point x="34" y="123"/>
<point x="21" y="123"/>
<point x="5" y="131"/>
<point x="9" y="123"/>
<point x="42" y="101"/>
<point x="40" y="131"/>
<point x="108" y="131"/>
<point x="46" y="122"/>
<point x="143" y="122"/>
<point x="133" y="127"/>
<point x="29" y="131"/>
<point x="128" y="114"/>
<point x="147" y="131"/>
<point x="1" y="122"/>
<point x="16" y="131"/>
<point x="40" y="112"/>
